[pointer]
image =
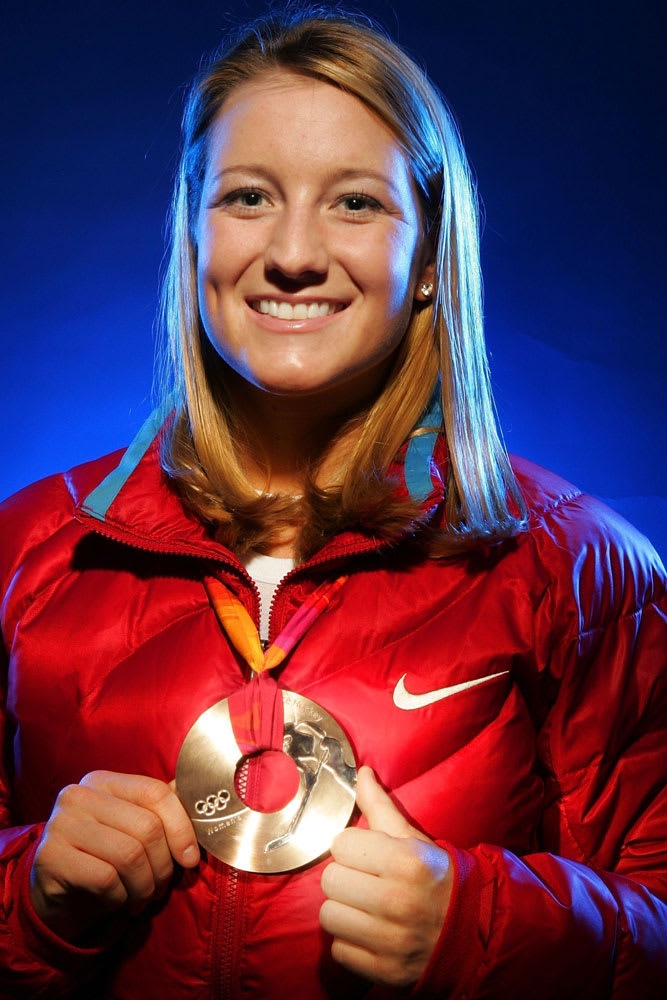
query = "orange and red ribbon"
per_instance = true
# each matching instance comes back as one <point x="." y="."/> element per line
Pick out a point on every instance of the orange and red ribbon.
<point x="256" y="709"/>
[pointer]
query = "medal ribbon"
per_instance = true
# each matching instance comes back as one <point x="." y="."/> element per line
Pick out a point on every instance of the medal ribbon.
<point x="256" y="709"/>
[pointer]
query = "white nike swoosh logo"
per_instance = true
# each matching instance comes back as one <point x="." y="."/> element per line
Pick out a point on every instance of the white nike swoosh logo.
<point x="403" y="698"/>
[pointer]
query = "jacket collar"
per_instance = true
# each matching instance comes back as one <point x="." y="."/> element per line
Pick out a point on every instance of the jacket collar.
<point x="100" y="500"/>
<point x="421" y="470"/>
<point x="135" y="502"/>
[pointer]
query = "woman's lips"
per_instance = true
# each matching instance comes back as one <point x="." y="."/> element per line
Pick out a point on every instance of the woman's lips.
<point x="303" y="309"/>
<point x="304" y="315"/>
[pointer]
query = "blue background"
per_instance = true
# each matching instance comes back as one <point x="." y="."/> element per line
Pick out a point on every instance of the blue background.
<point x="562" y="108"/>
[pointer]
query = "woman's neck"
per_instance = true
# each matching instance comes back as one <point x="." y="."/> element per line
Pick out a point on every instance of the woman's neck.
<point x="291" y="433"/>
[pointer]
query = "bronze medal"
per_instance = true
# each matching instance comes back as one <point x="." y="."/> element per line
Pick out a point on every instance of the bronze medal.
<point x="290" y="837"/>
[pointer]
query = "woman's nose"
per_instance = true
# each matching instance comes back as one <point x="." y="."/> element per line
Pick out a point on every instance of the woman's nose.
<point x="297" y="246"/>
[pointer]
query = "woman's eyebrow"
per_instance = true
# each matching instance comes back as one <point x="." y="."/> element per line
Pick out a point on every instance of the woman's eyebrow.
<point x="362" y="173"/>
<point x="349" y="173"/>
<point x="243" y="168"/>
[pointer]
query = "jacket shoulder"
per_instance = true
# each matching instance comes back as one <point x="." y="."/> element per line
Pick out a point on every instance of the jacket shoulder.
<point x="39" y="511"/>
<point x="585" y="550"/>
<point x="542" y="490"/>
<point x="576" y="518"/>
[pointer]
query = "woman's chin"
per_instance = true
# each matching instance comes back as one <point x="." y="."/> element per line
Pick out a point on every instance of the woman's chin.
<point x="295" y="384"/>
<point x="311" y="381"/>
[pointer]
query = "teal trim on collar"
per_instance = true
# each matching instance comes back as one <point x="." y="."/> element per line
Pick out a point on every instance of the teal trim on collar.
<point x="98" y="502"/>
<point x="420" y="450"/>
<point x="417" y="460"/>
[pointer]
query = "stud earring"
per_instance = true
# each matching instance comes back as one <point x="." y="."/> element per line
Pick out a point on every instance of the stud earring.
<point x="426" y="288"/>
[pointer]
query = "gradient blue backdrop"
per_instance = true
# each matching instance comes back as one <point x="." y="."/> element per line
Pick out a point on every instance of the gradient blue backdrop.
<point x="562" y="107"/>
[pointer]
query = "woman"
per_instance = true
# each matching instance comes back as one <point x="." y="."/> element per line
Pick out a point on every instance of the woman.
<point x="486" y="636"/>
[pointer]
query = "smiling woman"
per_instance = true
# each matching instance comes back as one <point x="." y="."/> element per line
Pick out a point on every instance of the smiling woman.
<point x="315" y="564"/>
<point x="336" y="257"/>
<point x="360" y="192"/>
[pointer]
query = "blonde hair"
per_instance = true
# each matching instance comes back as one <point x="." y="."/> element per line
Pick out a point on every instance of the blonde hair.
<point x="202" y="447"/>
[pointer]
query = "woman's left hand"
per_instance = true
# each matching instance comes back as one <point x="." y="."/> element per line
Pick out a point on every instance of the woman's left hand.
<point x="388" y="890"/>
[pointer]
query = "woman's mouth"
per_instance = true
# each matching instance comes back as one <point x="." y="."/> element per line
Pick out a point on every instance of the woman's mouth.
<point x="307" y="309"/>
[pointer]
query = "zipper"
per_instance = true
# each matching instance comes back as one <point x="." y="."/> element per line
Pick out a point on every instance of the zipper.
<point x="228" y="925"/>
<point x="116" y="535"/>
<point x="164" y="548"/>
<point x="144" y="545"/>
<point x="351" y="551"/>
<point x="226" y="943"/>
<point x="272" y="606"/>
<point x="229" y="928"/>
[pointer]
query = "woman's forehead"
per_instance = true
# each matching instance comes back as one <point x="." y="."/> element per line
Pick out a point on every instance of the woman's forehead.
<point x="282" y="115"/>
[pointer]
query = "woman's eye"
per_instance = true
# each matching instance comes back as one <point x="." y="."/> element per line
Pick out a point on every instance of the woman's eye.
<point x="245" y="198"/>
<point x="355" y="204"/>
<point x="250" y="198"/>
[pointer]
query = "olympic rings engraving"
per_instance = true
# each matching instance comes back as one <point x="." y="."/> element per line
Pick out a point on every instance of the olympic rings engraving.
<point x="214" y="803"/>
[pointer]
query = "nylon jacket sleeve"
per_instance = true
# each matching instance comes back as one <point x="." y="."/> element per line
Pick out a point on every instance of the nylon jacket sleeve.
<point x="34" y="962"/>
<point x="587" y="915"/>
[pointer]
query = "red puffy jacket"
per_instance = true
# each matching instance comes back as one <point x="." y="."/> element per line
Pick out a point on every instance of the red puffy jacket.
<point x="546" y="782"/>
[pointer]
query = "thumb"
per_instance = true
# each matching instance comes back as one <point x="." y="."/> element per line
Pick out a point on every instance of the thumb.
<point x="377" y="808"/>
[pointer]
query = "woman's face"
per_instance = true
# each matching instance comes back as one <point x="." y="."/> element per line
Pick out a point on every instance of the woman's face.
<point x="309" y="238"/>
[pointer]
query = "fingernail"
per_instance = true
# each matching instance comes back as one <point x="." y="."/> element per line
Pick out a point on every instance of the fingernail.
<point x="190" y="855"/>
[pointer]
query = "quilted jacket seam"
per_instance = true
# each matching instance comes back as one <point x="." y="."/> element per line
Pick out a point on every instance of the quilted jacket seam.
<point x="630" y="613"/>
<point x="423" y="623"/>
<point x="537" y="516"/>
<point x="563" y="798"/>
<point x="132" y="652"/>
<point x="66" y="516"/>
<point x="452" y="757"/>
<point x="26" y="551"/>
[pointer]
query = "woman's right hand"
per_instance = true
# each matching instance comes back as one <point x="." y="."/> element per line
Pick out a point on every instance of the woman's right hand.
<point x="111" y="842"/>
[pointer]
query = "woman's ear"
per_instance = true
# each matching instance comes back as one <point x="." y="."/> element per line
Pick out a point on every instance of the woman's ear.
<point x="426" y="284"/>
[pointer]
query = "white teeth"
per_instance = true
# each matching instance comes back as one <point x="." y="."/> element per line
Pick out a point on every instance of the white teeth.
<point x="302" y="310"/>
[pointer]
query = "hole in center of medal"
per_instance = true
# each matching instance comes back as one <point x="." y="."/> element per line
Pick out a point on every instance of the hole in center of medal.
<point x="266" y="781"/>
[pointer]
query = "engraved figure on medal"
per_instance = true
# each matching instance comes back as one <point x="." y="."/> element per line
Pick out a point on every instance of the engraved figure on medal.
<point x="277" y="841"/>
